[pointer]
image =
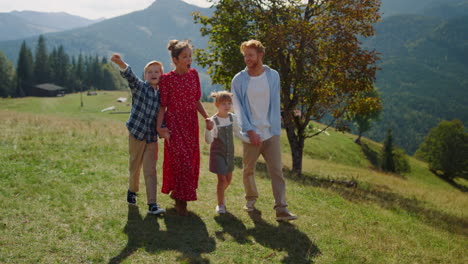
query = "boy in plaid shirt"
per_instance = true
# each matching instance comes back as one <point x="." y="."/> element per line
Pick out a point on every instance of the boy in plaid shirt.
<point x="142" y="138"/>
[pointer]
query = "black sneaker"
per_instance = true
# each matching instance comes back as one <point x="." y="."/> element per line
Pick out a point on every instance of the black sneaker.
<point x="131" y="197"/>
<point x="155" y="209"/>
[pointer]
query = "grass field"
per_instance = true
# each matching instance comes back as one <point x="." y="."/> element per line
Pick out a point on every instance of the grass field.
<point x="63" y="179"/>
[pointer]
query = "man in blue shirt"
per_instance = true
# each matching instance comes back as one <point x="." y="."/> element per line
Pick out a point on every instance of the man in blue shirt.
<point x="256" y="101"/>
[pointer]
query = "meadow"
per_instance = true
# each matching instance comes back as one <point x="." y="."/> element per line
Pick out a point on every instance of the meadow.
<point x="64" y="176"/>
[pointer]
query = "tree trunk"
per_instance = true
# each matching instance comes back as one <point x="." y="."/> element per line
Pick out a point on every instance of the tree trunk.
<point x="296" y="143"/>
<point x="358" y="139"/>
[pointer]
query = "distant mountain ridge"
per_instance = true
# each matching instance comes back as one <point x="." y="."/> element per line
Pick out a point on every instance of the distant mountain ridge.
<point x="23" y="24"/>
<point x="442" y="8"/>
<point x="139" y="36"/>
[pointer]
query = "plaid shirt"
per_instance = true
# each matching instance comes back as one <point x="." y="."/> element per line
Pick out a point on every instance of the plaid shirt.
<point x="145" y="107"/>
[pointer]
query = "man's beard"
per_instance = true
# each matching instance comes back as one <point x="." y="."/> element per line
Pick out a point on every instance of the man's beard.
<point x="254" y="64"/>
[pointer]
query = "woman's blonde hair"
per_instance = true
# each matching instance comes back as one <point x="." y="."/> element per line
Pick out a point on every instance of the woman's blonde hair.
<point x="153" y="63"/>
<point x="253" y="43"/>
<point x="222" y="96"/>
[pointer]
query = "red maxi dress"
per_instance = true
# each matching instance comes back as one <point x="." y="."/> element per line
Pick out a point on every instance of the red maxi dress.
<point x="181" y="166"/>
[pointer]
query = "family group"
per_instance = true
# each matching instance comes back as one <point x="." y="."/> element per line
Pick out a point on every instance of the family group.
<point x="166" y="106"/>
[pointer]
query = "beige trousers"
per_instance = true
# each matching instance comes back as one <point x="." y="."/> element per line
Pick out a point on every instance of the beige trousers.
<point x="144" y="155"/>
<point x="271" y="152"/>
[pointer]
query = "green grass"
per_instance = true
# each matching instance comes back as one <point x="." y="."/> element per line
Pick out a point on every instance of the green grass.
<point x="70" y="106"/>
<point x="63" y="178"/>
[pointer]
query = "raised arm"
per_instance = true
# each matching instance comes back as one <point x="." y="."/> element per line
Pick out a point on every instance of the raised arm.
<point x="126" y="72"/>
<point x="118" y="60"/>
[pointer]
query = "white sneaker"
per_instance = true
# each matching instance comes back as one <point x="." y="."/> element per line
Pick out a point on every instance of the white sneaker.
<point x="155" y="209"/>
<point x="250" y="206"/>
<point x="221" y="209"/>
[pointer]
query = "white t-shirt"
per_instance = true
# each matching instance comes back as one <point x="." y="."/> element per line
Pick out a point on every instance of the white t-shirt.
<point x="258" y="92"/>
<point x="225" y="121"/>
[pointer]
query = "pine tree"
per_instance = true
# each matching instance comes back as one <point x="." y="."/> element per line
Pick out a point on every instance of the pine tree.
<point x="89" y="74"/>
<point x="53" y="64"/>
<point x="79" y="73"/>
<point x="97" y="73"/>
<point x="72" y="79"/>
<point x="388" y="162"/>
<point x="24" y="72"/>
<point x="62" y="72"/>
<point x="41" y="65"/>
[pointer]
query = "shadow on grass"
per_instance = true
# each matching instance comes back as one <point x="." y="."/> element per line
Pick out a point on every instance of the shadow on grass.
<point x="232" y="226"/>
<point x="188" y="235"/>
<point x="352" y="191"/>
<point x="388" y="200"/>
<point x="371" y="155"/>
<point x="462" y="188"/>
<point x="284" y="237"/>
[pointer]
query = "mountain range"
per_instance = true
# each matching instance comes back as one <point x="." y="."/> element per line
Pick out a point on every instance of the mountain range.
<point x="424" y="70"/>
<point x="139" y="37"/>
<point x="442" y="8"/>
<point x="423" y="45"/>
<point x="23" y="24"/>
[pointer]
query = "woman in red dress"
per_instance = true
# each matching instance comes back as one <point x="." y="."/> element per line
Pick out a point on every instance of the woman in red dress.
<point x="180" y="100"/>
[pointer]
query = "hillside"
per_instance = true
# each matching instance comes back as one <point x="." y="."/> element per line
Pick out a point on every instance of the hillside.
<point x="63" y="177"/>
<point x="22" y="24"/>
<point x="423" y="77"/>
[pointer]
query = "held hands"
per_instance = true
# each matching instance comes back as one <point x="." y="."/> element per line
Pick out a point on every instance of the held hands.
<point x="209" y="124"/>
<point x="165" y="133"/>
<point x="118" y="60"/>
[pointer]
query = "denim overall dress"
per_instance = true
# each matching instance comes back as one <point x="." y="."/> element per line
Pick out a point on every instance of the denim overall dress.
<point x="222" y="149"/>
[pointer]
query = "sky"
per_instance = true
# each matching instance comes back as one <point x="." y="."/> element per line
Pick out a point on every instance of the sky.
<point x="91" y="9"/>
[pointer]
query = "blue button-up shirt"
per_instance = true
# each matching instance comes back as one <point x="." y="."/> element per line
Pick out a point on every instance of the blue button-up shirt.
<point x="241" y="104"/>
<point x="145" y="107"/>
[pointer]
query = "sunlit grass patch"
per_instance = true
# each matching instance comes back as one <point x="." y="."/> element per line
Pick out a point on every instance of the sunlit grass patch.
<point x="63" y="178"/>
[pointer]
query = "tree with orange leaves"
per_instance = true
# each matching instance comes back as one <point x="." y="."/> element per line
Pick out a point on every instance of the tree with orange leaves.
<point x="314" y="45"/>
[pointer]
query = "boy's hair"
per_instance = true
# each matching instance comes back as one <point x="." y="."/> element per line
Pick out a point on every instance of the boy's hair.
<point x="175" y="47"/>
<point x="222" y="96"/>
<point x="153" y="63"/>
<point x="253" y="43"/>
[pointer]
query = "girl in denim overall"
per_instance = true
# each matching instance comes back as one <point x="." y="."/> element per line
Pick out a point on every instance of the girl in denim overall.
<point x="222" y="144"/>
